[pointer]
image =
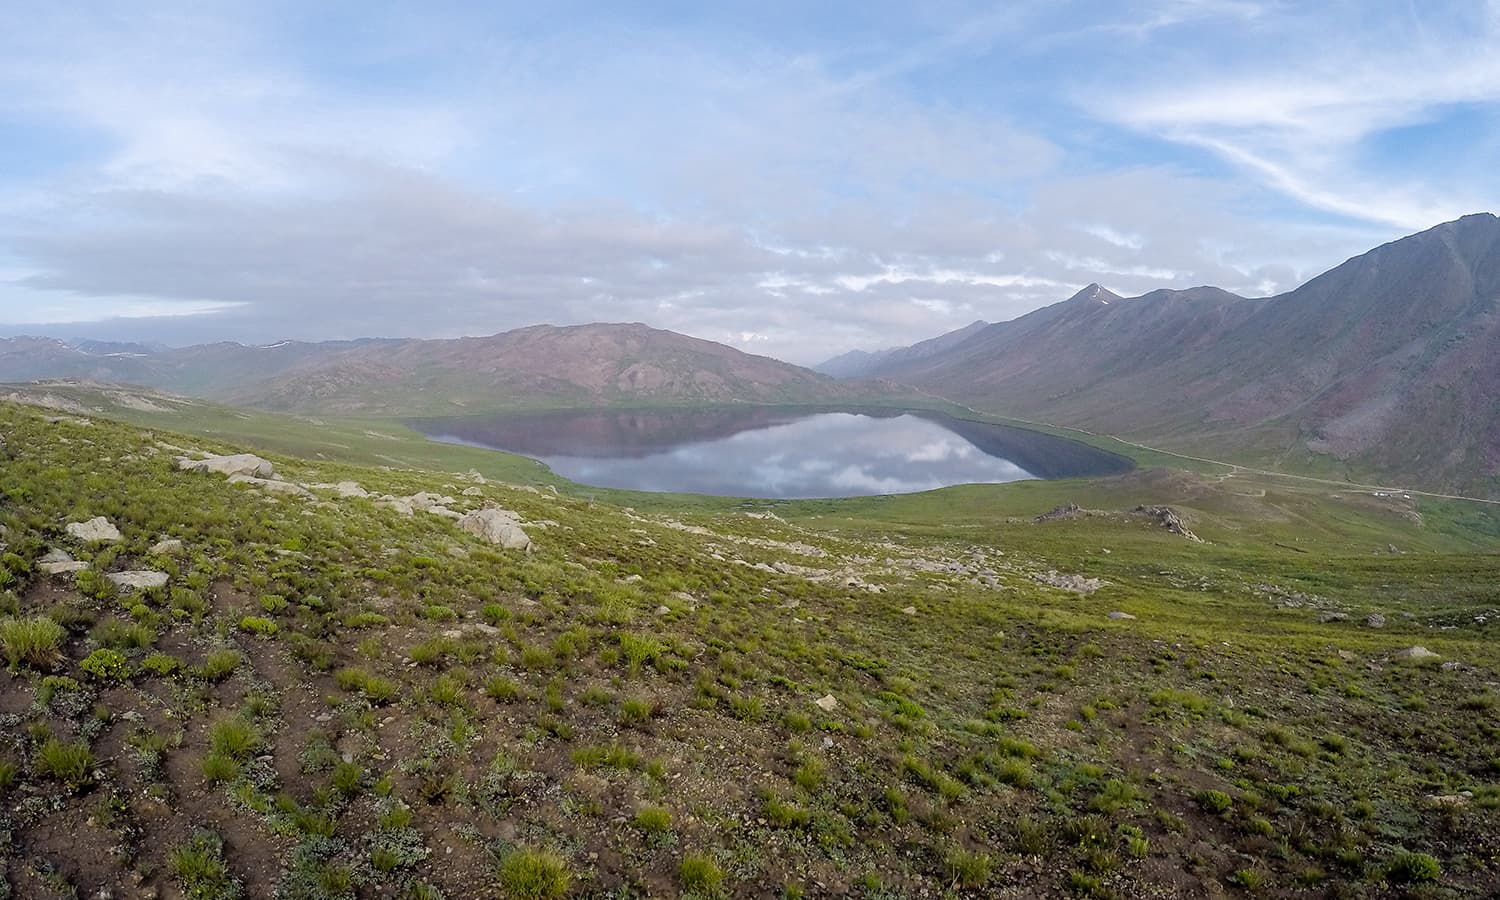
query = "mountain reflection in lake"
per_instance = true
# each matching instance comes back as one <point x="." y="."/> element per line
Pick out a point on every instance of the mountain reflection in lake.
<point x="776" y="452"/>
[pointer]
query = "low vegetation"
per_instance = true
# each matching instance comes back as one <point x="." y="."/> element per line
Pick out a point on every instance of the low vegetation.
<point x="881" y="697"/>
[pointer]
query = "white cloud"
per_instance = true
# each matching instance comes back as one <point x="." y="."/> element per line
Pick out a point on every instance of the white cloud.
<point x="803" y="194"/>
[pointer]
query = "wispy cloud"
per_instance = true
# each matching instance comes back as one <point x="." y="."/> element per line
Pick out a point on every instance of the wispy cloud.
<point x="800" y="187"/>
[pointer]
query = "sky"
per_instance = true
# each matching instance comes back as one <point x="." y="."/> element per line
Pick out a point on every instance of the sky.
<point x="792" y="179"/>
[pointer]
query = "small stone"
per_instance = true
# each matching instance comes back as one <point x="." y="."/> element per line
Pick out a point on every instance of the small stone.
<point x="1374" y="620"/>
<point x="663" y="610"/>
<point x="1120" y="615"/>
<point x="827" y="703"/>
<point x="1417" y="652"/>
<point x="1329" y="616"/>
<point x="167" y="547"/>
<point x="909" y="611"/>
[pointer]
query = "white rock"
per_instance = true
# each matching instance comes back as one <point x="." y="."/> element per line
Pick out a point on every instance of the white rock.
<point x="1418" y="652"/>
<point x="272" y="485"/>
<point x="95" y="529"/>
<point x="909" y="611"/>
<point x="234" y="464"/>
<point x="1120" y="615"/>
<point x="498" y="526"/>
<point x="350" y="489"/>
<point x="473" y="492"/>
<point x="827" y="703"/>
<point x="138" y="580"/>
<point x="56" y="562"/>
<point x="167" y="547"/>
<point x="426" y="500"/>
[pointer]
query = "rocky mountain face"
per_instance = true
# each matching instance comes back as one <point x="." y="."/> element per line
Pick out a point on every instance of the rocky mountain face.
<point x="1388" y="364"/>
<point x="596" y="365"/>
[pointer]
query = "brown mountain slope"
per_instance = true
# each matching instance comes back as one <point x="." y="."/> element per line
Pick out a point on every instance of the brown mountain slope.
<point x="545" y="365"/>
<point x="1387" y="365"/>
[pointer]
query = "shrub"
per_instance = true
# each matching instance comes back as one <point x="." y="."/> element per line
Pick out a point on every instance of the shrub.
<point x="531" y="874"/>
<point x="968" y="869"/>
<point x="1031" y="836"/>
<point x="186" y="604"/>
<point x="106" y="665"/>
<point x="636" y="710"/>
<point x="163" y="664"/>
<point x="1216" y="802"/>
<point x="431" y="652"/>
<point x="220" y="664"/>
<point x="200" y="868"/>
<point x="71" y="764"/>
<point x="234" y="738"/>
<point x="809" y="775"/>
<point x="219" y="767"/>
<point x="502" y="689"/>
<point x="653" y="819"/>
<point x="1411" y="868"/>
<point x="699" y="874"/>
<point x="35" y="641"/>
<point x="122" y="635"/>
<point x="786" y="815"/>
<point x="258" y="626"/>
<point x="346" y="778"/>
<point x="639" y="650"/>
<point x="1114" y="796"/>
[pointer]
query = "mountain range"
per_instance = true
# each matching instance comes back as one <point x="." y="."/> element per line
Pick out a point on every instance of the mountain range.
<point x="1388" y="365"/>
<point x="541" y="366"/>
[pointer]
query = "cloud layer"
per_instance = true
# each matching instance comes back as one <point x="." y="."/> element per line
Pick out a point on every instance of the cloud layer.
<point x="795" y="183"/>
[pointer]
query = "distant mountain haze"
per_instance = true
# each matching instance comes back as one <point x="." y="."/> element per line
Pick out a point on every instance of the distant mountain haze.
<point x="540" y="366"/>
<point x="1389" y="362"/>
<point x="859" y="362"/>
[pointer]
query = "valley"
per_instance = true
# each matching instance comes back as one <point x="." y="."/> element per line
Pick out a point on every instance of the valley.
<point x="608" y="451"/>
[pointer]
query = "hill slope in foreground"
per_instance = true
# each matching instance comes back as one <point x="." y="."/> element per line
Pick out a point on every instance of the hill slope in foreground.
<point x="332" y="690"/>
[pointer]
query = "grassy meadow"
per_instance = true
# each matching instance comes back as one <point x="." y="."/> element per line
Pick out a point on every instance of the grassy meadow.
<point x="914" y="696"/>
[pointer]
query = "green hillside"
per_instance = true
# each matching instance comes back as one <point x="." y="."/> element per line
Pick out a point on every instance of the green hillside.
<point x="881" y="697"/>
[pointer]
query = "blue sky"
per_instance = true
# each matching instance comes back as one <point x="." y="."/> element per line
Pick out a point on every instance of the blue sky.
<point x="793" y="179"/>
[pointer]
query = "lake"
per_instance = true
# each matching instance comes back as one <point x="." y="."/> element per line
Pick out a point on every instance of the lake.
<point x="776" y="452"/>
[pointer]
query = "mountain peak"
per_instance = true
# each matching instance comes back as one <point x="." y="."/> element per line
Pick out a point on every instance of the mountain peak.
<point x="1095" y="293"/>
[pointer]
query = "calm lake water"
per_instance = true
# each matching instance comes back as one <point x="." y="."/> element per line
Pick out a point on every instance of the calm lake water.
<point x="776" y="452"/>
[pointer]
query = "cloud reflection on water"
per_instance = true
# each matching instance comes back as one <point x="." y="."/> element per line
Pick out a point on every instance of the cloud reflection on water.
<point x="823" y="455"/>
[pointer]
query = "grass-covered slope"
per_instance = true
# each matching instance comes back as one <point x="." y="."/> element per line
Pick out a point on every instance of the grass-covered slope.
<point x="330" y="698"/>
